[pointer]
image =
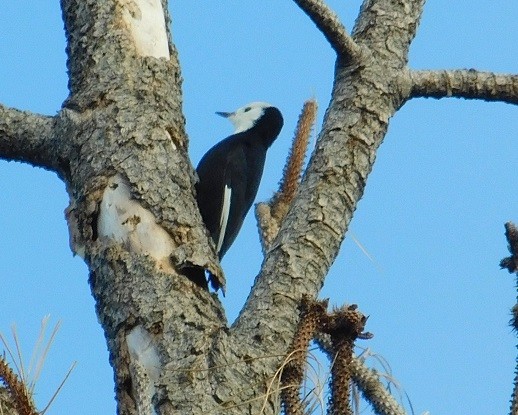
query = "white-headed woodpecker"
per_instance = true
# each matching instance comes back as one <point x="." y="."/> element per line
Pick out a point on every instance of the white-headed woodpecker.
<point x="230" y="172"/>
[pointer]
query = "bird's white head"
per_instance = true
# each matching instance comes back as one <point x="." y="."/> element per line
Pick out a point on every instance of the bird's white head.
<point x="245" y="117"/>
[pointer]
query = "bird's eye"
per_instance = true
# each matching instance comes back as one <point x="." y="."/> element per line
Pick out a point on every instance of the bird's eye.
<point x="247" y="109"/>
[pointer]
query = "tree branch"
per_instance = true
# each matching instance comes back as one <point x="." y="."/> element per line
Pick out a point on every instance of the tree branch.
<point x="27" y="137"/>
<point x="363" y="100"/>
<point x="368" y="381"/>
<point x="332" y="28"/>
<point x="465" y="83"/>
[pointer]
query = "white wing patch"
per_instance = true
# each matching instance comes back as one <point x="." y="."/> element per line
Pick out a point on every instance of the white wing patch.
<point x="223" y="220"/>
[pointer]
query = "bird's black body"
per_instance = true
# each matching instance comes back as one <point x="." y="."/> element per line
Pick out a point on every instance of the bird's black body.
<point x="234" y="167"/>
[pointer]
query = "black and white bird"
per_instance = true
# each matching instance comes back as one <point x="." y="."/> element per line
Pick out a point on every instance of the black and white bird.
<point x="230" y="172"/>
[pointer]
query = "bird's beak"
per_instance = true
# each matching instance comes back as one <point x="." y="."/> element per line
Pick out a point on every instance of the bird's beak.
<point x="224" y="114"/>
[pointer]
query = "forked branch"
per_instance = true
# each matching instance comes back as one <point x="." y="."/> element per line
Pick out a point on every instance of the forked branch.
<point x="341" y="328"/>
<point x="367" y="380"/>
<point x="465" y="83"/>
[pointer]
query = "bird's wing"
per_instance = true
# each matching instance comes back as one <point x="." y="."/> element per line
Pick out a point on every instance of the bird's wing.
<point x="223" y="220"/>
<point x="221" y="190"/>
<point x="233" y="202"/>
<point x="209" y="189"/>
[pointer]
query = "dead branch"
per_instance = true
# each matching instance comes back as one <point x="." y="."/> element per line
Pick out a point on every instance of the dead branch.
<point x="331" y="27"/>
<point x="465" y="83"/>
<point x="26" y="137"/>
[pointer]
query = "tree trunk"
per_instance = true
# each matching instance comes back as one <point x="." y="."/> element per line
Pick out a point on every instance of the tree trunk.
<point x="120" y="146"/>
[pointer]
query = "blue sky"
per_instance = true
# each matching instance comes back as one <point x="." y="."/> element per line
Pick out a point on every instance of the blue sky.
<point x="431" y="218"/>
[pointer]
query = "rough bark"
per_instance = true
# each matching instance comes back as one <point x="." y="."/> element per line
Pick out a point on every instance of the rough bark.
<point x="465" y="83"/>
<point x="124" y="117"/>
<point x="27" y="137"/>
<point x="122" y="125"/>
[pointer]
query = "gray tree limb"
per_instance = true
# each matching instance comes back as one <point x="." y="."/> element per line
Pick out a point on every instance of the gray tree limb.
<point x="331" y="27"/>
<point x="123" y="119"/>
<point x="27" y="137"/>
<point x="465" y="83"/>
<point x="354" y="127"/>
